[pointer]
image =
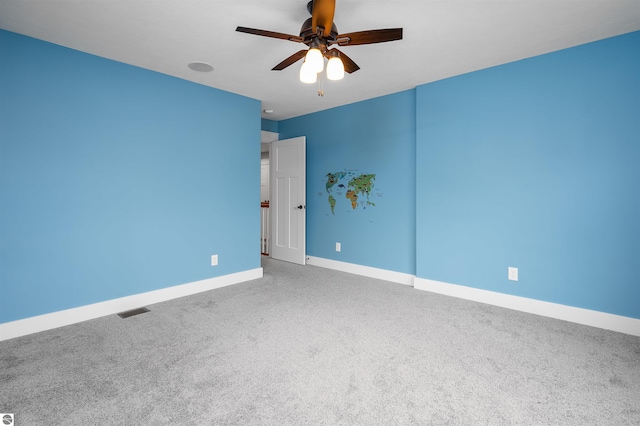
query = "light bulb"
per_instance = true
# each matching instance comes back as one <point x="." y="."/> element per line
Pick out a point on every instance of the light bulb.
<point x="335" y="69"/>
<point x="314" y="59"/>
<point x="307" y="74"/>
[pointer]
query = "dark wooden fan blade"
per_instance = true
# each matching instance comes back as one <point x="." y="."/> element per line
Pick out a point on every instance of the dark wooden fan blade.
<point x="349" y="65"/>
<point x="271" y="34"/>
<point x="290" y="60"/>
<point x="322" y="15"/>
<point x="369" y="37"/>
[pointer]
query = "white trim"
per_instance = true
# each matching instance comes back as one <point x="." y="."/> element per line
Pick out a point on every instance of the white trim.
<point x="598" y="319"/>
<point x="367" y="271"/>
<point x="22" y="327"/>
<point x="268" y="137"/>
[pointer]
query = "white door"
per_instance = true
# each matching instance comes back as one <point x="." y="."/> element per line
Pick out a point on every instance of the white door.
<point x="287" y="160"/>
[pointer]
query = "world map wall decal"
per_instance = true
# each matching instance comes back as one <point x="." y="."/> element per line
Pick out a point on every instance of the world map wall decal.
<point x="351" y="187"/>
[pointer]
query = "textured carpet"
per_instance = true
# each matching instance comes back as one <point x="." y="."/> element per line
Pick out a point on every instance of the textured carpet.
<point x="312" y="346"/>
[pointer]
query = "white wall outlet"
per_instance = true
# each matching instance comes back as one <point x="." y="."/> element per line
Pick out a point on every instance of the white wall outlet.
<point x="512" y="273"/>
<point x="338" y="247"/>
<point x="214" y="260"/>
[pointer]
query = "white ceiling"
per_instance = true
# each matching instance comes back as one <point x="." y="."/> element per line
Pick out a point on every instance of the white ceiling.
<point x="442" y="38"/>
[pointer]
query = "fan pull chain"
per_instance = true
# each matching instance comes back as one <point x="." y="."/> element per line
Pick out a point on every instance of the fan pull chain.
<point x="321" y="85"/>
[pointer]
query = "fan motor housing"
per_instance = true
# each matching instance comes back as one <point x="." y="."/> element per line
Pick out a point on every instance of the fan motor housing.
<point x="307" y="34"/>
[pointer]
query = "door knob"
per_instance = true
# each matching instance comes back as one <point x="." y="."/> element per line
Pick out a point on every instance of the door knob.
<point x="300" y="207"/>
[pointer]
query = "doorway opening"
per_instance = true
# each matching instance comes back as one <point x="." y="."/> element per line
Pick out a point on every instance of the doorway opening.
<point x="265" y="221"/>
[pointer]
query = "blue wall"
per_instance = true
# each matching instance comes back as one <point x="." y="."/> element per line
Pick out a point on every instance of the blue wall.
<point x="269" y="125"/>
<point x="375" y="136"/>
<point x="536" y="164"/>
<point x="115" y="180"/>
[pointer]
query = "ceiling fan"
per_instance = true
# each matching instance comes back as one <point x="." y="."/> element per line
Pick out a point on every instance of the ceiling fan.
<point x="319" y="33"/>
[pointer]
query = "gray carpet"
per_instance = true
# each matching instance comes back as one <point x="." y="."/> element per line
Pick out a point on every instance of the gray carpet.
<point x="312" y="346"/>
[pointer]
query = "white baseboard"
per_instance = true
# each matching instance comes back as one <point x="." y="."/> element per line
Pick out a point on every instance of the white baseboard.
<point x="10" y="330"/>
<point x="367" y="271"/>
<point x="598" y="319"/>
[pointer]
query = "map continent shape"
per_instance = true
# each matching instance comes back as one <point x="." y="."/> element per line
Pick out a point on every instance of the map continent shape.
<point x="358" y="184"/>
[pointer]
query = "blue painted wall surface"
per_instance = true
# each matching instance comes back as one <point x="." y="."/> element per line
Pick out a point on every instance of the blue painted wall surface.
<point x="269" y="125"/>
<point x="536" y="164"/>
<point x="115" y="180"/>
<point x="373" y="136"/>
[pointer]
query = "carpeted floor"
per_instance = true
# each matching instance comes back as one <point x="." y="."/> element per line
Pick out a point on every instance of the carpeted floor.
<point x="312" y="346"/>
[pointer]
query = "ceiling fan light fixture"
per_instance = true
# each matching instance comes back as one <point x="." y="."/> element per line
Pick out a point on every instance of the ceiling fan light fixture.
<point x="315" y="59"/>
<point x="319" y="33"/>
<point x="307" y="74"/>
<point x="335" y="68"/>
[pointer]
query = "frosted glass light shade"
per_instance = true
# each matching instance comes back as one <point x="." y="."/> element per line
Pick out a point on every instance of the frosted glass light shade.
<point x="307" y="74"/>
<point x="315" y="59"/>
<point x="335" y="69"/>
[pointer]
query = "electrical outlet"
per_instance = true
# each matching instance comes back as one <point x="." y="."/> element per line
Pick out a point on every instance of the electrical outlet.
<point x="512" y="273"/>
<point x="338" y="247"/>
<point x="214" y="260"/>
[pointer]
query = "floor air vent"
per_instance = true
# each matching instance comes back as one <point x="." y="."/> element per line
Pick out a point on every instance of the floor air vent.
<point x="132" y="312"/>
